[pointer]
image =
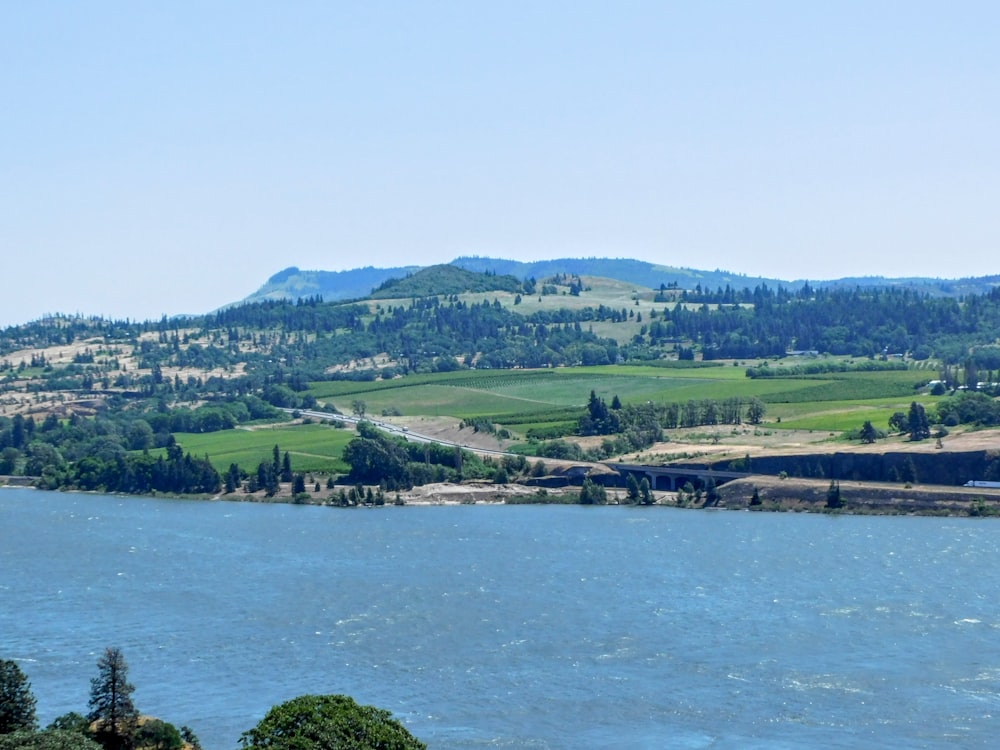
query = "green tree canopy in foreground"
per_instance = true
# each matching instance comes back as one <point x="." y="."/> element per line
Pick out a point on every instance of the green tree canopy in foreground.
<point x="328" y="722"/>
<point x="50" y="739"/>
<point x="17" y="704"/>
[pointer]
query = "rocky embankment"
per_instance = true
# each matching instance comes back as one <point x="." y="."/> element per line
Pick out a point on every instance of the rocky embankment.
<point x="884" y="498"/>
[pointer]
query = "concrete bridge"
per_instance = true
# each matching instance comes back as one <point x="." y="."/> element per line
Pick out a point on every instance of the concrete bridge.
<point x="673" y="477"/>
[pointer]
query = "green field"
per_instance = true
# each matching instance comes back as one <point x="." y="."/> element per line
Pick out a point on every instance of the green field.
<point x="311" y="447"/>
<point x="835" y="402"/>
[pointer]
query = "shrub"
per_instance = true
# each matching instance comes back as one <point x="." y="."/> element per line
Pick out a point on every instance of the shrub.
<point x="328" y="721"/>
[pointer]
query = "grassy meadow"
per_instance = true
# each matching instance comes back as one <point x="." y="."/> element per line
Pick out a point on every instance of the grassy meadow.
<point x="311" y="447"/>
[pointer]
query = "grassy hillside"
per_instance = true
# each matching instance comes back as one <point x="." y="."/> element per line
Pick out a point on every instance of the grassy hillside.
<point x="444" y="280"/>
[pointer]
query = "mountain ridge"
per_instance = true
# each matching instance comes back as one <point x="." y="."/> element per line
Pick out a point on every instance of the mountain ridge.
<point x="293" y="283"/>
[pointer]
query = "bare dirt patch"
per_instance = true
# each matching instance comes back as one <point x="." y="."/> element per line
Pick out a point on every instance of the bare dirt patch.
<point x="693" y="443"/>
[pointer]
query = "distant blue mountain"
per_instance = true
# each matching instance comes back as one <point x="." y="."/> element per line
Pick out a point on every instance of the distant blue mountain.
<point x="332" y="286"/>
<point x="293" y="283"/>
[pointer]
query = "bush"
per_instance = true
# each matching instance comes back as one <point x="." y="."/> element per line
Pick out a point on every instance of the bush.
<point x="50" y="739"/>
<point x="328" y="721"/>
<point x="155" y="734"/>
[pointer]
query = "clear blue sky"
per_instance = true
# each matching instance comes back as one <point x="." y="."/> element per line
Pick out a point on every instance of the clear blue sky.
<point x="169" y="157"/>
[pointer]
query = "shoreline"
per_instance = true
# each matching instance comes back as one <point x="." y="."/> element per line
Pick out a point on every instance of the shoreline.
<point x="775" y="495"/>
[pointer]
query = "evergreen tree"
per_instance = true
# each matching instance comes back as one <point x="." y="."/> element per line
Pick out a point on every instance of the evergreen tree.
<point x="188" y="735"/>
<point x="632" y="489"/>
<point x="111" y="704"/>
<point x="232" y="478"/>
<point x="711" y="492"/>
<point x="645" y="493"/>
<point x="17" y="704"/>
<point x="833" y="499"/>
<point x="917" y="424"/>
<point x="286" y="468"/>
<point x="868" y="432"/>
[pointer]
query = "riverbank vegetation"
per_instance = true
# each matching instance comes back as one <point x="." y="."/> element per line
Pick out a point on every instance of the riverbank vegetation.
<point x="194" y="405"/>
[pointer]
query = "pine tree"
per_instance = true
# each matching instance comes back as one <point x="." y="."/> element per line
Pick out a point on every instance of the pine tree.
<point x="232" y="478"/>
<point x="111" y="702"/>
<point x="833" y="495"/>
<point x="868" y="432"/>
<point x="645" y="493"/>
<point x="917" y="423"/>
<point x="17" y="704"/>
<point x="632" y="489"/>
<point x="711" y="492"/>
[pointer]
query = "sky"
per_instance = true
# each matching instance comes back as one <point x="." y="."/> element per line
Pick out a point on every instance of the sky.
<point x="167" y="158"/>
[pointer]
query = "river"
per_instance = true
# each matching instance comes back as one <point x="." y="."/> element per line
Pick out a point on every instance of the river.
<point x="517" y="627"/>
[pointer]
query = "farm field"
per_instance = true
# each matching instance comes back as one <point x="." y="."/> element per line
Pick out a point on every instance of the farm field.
<point x="311" y="447"/>
<point x="841" y="416"/>
<point x="833" y="402"/>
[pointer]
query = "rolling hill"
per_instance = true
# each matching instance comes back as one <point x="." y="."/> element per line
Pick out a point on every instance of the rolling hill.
<point x="293" y="283"/>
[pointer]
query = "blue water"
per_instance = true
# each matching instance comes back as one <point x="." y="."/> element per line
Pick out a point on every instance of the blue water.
<point x="520" y="627"/>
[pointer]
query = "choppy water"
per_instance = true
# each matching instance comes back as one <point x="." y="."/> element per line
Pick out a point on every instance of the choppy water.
<point x="527" y="627"/>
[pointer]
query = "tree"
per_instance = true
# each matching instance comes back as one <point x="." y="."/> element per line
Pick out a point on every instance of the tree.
<point x="592" y="494"/>
<point x="359" y="407"/>
<point x="188" y="735"/>
<point x="111" y="704"/>
<point x="897" y="422"/>
<point x="632" y="489"/>
<point x="833" y="499"/>
<point x="17" y="704"/>
<point x="328" y="722"/>
<point x="868" y="432"/>
<point x="711" y="492"/>
<point x="50" y="739"/>
<point x="71" y="722"/>
<point x="917" y="424"/>
<point x="8" y="460"/>
<point x="645" y="493"/>
<point x="756" y="411"/>
<point x="971" y="375"/>
<point x="155" y="734"/>
<point x="232" y="478"/>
